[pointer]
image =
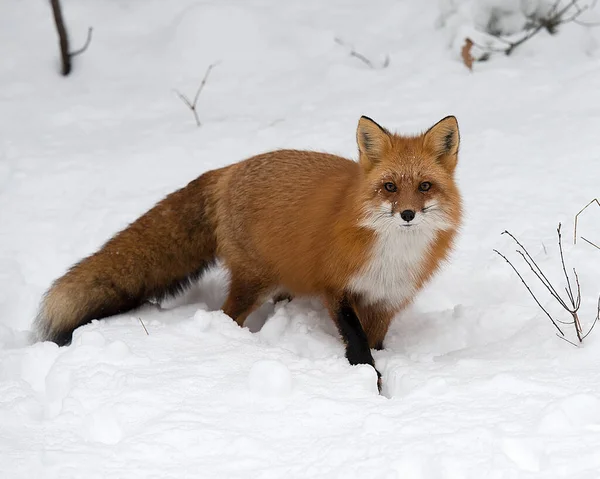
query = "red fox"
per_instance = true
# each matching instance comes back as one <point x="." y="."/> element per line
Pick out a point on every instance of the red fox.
<point x="364" y="236"/>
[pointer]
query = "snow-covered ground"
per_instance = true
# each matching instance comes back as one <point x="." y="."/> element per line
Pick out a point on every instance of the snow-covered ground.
<point x="476" y="384"/>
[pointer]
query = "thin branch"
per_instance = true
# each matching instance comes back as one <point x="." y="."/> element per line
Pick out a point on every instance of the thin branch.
<point x="531" y="34"/>
<point x="542" y="277"/>
<point x="184" y="99"/>
<point x="574" y="296"/>
<point x="587" y="24"/>
<point x="595" y="320"/>
<point x="588" y="241"/>
<point x="531" y="292"/>
<point x="578" y="301"/>
<point x="144" y="326"/>
<point x="562" y="261"/>
<point x="544" y="281"/>
<point x="568" y="341"/>
<point x="360" y="56"/>
<point x="595" y="200"/>
<point x="568" y="323"/>
<point x="85" y="45"/>
<point x="208" y="70"/>
<point x="192" y="104"/>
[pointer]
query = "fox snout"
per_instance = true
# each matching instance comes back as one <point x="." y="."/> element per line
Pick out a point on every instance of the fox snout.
<point x="407" y="215"/>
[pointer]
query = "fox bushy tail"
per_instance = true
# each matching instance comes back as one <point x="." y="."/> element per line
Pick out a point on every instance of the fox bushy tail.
<point x="157" y="256"/>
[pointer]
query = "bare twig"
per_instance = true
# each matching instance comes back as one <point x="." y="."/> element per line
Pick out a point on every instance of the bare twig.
<point x="562" y="261"/>
<point x="538" y="271"/>
<point x="360" y="56"/>
<point x="540" y="275"/>
<point x="63" y="38"/>
<point x="144" y="326"/>
<point x="587" y="24"/>
<point x="192" y="104"/>
<point x="589" y="242"/>
<point x="85" y="45"/>
<point x="595" y="320"/>
<point x="531" y="292"/>
<point x="595" y="200"/>
<point x="573" y="295"/>
<point x="522" y="40"/>
<point x="567" y="340"/>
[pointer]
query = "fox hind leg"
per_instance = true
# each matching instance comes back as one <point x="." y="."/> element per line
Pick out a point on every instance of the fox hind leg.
<point x="245" y="295"/>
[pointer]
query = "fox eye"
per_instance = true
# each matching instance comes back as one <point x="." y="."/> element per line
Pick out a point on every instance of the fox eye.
<point x="391" y="187"/>
<point x="424" y="186"/>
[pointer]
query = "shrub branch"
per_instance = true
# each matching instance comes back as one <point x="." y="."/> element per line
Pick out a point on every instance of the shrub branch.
<point x="550" y="22"/>
<point x="192" y="104"/>
<point x="595" y="200"/>
<point x="572" y="289"/>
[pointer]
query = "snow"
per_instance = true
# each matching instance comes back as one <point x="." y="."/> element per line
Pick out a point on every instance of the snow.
<point x="475" y="382"/>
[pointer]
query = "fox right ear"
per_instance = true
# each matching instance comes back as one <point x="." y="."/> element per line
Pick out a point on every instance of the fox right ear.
<point x="443" y="140"/>
<point x="373" y="142"/>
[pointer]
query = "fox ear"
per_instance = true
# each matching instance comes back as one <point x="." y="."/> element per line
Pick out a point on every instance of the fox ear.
<point x="443" y="140"/>
<point x="373" y="142"/>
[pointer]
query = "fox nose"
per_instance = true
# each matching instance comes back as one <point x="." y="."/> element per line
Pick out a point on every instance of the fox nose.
<point x="407" y="215"/>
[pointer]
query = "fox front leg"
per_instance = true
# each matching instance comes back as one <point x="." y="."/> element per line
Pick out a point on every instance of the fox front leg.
<point x="353" y="334"/>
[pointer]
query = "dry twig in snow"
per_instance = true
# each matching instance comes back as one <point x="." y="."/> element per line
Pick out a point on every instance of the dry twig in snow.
<point x="595" y="200"/>
<point x="361" y="57"/>
<point x="192" y="104"/>
<point x="573" y="301"/>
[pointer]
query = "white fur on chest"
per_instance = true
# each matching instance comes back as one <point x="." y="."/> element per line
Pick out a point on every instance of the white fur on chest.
<point x="396" y="262"/>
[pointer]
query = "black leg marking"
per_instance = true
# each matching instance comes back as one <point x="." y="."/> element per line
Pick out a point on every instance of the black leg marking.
<point x="353" y="334"/>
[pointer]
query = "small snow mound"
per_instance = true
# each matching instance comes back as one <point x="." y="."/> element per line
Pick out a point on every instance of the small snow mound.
<point x="202" y="320"/>
<point x="368" y="378"/>
<point x="37" y="363"/>
<point x="270" y="378"/>
<point x="102" y="426"/>
<point x="274" y="328"/>
<point x="522" y="453"/>
<point x="58" y="385"/>
<point x="554" y="421"/>
<point x="118" y="350"/>
<point x="458" y="311"/>
<point x="573" y="412"/>
<point x="90" y="338"/>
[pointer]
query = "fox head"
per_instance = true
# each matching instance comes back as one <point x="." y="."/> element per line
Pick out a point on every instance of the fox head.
<point x="408" y="181"/>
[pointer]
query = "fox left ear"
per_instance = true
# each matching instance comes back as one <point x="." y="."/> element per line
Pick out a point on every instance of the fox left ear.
<point x="443" y="140"/>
